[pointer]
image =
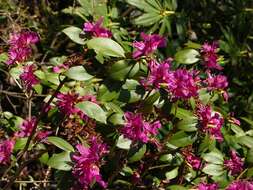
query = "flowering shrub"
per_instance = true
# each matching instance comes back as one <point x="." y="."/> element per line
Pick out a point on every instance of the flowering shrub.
<point x="121" y="112"/>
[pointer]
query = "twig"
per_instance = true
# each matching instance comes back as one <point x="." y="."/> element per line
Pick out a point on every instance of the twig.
<point x="41" y="115"/>
<point x="12" y="105"/>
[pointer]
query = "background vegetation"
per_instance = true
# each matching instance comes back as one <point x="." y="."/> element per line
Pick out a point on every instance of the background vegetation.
<point x="184" y="23"/>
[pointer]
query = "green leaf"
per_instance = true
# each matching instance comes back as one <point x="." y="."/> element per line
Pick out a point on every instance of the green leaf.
<point x="177" y="187"/>
<point x="181" y="113"/>
<point x="237" y="130"/>
<point x="106" y="47"/>
<point x="166" y="158"/>
<point x="61" y="143"/>
<point x="148" y="19"/>
<point x="193" y="45"/>
<point x="181" y="139"/>
<point x="123" y="143"/>
<point x="138" y="155"/>
<point x="246" y="140"/>
<point x="172" y="174"/>
<point x="250" y="122"/>
<point x="73" y="33"/>
<point x="60" y="161"/>
<point x="92" y="110"/>
<point x="187" y="56"/>
<point x="15" y="72"/>
<point x="121" y="70"/>
<point x="107" y="94"/>
<point x="250" y="172"/>
<point x="57" y="60"/>
<point x="214" y="158"/>
<point x="188" y="124"/>
<point x="44" y="158"/>
<point x="213" y="169"/>
<point x="20" y="143"/>
<point x="78" y="73"/>
<point x="117" y="119"/>
<point x="143" y="5"/>
<point x="3" y="57"/>
<point x="249" y="157"/>
<point x="126" y="171"/>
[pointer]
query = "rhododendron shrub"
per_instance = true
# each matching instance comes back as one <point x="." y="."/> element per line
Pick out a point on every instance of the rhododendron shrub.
<point x="123" y="110"/>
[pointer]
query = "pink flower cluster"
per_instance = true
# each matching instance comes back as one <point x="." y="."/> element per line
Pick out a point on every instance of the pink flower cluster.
<point x="26" y="127"/>
<point x="208" y="186"/>
<point x="96" y="29"/>
<point x="193" y="160"/>
<point x="209" y="52"/>
<point x="137" y="129"/>
<point x="28" y="77"/>
<point x="149" y="44"/>
<point x="20" y="46"/>
<point x="218" y="82"/>
<point x="183" y="84"/>
<point x="210" y="121"/>
<point x="66" y="102"/>
<point x="240" y="185"/>
<point x="159" y="74"/>
<point x="6" y="148"/>
<point x="87" y="162"/>
<point x="234" y="164"/>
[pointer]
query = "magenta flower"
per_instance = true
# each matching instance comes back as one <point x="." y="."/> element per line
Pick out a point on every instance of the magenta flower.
<point x="20" y="46"/>
<point x="210" y="122"/>
<point x="218" y="82"/>
<point x="183" y="84"/>
<point x="87" y="162"/>
<point x="209" y="52"/>
<point x="159" y="74"/>
<point x="6" y="148"/>
<point x="66" y="102"/>
<point x="149" y="45"/>
<point x="193" y="160"/>
<point x="137" y="129"/>
<point x="206" y="186"/>
<point x="60" y="68"/>
<point x="26" y="127"/>
<point x="42" y="136"/>
<point x="240" y="185"/>
<point x="96" y="29"/>
<point x="234" y="164"/>
<point x="28" y="77"/>
<point x="234" y="120"/>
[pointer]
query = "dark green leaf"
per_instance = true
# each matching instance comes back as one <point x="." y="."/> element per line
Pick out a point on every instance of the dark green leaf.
<point x="138" y="155"/>
<point x="148" y="19"/>
<point x="181" y="139"/>
<point x="121" y="70"/>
